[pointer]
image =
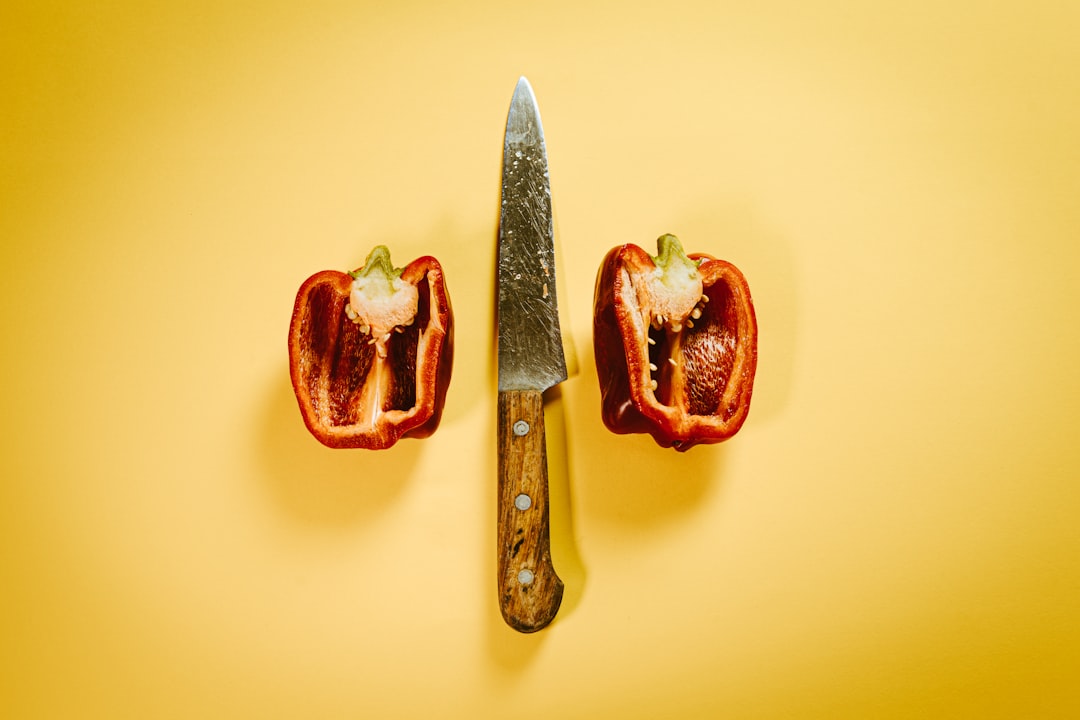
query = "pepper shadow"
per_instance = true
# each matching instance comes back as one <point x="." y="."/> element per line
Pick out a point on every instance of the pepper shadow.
<point x="629" y="479"/>
<point x="318" y="486"/>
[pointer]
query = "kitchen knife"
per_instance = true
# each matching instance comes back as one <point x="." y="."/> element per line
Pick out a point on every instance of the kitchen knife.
<point x="531" y="360"/>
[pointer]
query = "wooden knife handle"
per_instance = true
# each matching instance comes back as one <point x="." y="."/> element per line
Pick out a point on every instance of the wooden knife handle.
<point x="529" y="589"/>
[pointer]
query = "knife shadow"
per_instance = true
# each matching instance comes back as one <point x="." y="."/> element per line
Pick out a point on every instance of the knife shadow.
<point x="509" y="648"/>
<point x="564" y="547"/>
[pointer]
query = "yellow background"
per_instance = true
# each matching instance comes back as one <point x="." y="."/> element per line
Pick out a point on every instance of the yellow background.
<point x="893" y="534"/>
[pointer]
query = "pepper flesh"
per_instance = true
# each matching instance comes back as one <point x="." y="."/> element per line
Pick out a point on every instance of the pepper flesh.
<point x="371" y="352"/>
<point x="675" y="340"/>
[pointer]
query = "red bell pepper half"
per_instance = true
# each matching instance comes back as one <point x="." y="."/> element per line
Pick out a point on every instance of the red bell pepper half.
<point x="370" y="352"/>
<point x="675" y="340"/>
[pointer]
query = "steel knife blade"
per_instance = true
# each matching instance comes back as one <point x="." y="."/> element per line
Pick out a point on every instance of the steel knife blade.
<point x="531" y="360"/>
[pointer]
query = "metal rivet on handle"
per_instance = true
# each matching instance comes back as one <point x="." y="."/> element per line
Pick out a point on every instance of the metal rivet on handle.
<point x="523" y="502"/>
<point x="525" y="577"/>
<point x="521" y="428"/>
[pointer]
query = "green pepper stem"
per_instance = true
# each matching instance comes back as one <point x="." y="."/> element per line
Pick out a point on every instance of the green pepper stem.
<point x="378" y="267"/>
<point x="671" y="259"/>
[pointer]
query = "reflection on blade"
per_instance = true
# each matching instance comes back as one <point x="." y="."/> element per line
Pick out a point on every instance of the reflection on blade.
<point x="530" y="345"/>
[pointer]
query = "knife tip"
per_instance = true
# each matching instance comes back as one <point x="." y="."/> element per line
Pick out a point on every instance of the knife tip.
<point x="524" y="96"/>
